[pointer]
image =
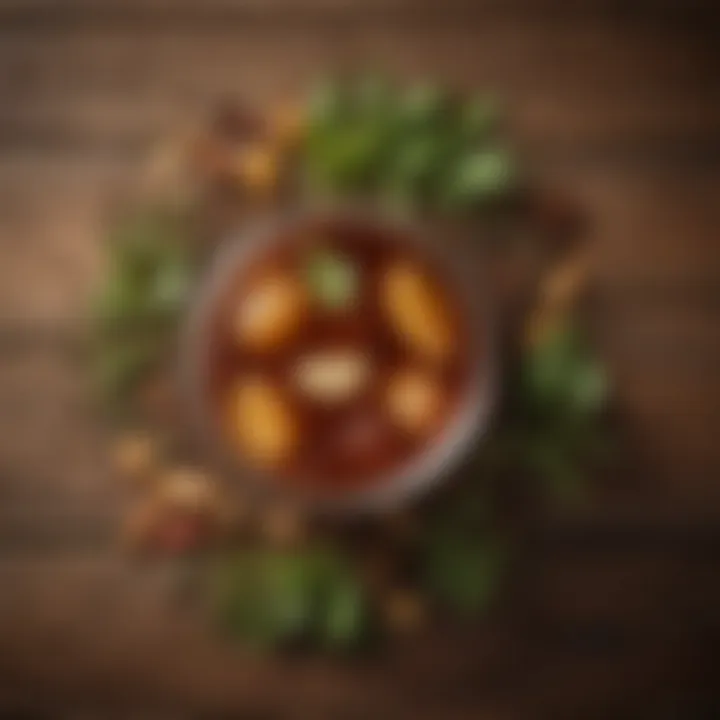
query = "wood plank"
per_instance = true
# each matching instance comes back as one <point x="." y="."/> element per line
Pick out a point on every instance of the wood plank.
<point x="113" y="634"/>
<point x="35" y="12"/>
<point x="52" y="446"/>
<point x="588" y="83"/>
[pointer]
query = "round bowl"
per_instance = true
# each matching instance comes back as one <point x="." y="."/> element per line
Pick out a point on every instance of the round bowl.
<point x="456" y="259"/>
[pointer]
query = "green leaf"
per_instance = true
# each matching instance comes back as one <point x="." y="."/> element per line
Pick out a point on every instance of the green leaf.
<point x="562" y="378"/>
<point x="424" y="105"/>
<point x="556" y="465"/>
<point x="270" y="597"/>
<point x="373" y="97"/>
<point x="328" y="104"/>
<point x="344" y="612"/>
<point x="479" y="117"/>
<point x="333" y="279"/>
<point x="463" y="568"/>
<point x="479" y="176"/>
<point x="120" y="366"/>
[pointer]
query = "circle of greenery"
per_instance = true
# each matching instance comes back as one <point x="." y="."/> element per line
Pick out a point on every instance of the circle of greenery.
<point x="416" y="147"/>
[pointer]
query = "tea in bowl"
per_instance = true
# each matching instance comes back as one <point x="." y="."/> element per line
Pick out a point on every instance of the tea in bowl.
<point x="341" y="358"/>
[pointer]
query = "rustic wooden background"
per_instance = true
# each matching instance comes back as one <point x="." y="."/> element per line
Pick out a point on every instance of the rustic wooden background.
<point x="615" y="610"/>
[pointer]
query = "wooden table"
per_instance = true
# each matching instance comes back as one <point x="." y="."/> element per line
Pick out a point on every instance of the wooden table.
<point x="615" y="607"/>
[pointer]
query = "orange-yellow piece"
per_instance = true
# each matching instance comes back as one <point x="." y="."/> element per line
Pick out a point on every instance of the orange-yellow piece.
<point x="413" y="400"/>
<point x="416" y="311"/>
<point x="287" y="124"/>
<point x="270" y="312"/>
<point x="258" y="168"/>
<point x="562" y="286"/>
<point x="261" y="422"/>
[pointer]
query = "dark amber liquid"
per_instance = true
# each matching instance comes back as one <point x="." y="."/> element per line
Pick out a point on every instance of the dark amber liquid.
<point x="329" y="458"/>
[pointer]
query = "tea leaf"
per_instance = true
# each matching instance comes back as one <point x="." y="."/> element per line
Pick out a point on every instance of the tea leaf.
<point x="333" y="279"/>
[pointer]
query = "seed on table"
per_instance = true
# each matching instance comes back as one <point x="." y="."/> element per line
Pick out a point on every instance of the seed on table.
<point x="188" y="488"/>
<point x="134" y="455"/>
<point x="404" y="611"/>
<point x="287" y="125"/>
<point x="258" y="167"/>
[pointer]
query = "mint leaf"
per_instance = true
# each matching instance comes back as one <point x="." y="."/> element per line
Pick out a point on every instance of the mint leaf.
<point x="333" y="280"/>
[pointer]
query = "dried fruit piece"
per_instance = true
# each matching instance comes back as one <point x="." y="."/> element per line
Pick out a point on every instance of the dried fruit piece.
<point x="188" y="488"/>
<point x="258" y="167"/>
<point x="414" y="399"/>
<point x="416" y="311"/>
<point x="270" y="313"/>
<point x="332" y="376"/>
<point x="134" y="455"/>
<point x="261" y="422"/>
<point x="287" y="125"/>
<point x="564" y="283"/>
<point x="404" y="611"/>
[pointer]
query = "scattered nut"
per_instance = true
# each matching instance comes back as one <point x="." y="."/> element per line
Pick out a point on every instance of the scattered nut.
<point x="258" y="167"/>
<point x="287" y="125"/>
<point x="134" y="455"/>
<point x="563" y="284"/>
<point x="404" y="611"/>
<point x="189" y="489"/>
<point x="169" y="169"/>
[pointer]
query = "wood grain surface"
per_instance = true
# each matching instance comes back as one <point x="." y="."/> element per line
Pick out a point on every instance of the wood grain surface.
<point x="613" y="610"/>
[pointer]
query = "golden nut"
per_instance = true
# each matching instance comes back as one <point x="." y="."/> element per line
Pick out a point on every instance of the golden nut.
<point x="287" y="125"/>
<point x="404" y="611"/>
<point x="168" y="171"/>
<point x="416" y="311"/>
<point x="134" y="455"/>
<point x="258" y="167"/>
<point x="188" y="488"/>
<point x="562" y="286"/>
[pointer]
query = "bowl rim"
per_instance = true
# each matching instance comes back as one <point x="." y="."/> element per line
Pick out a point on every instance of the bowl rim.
<point x="391" y="489"/>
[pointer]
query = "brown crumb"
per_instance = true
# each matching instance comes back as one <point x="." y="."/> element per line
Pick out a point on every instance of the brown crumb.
<point x="287" y="125"/>
<point x="188" y="488"/>
<point x="135" y="455"/>
<point x="258" y="168"/>
<point x="404" y="611"/>
<point x="564" y="283"/>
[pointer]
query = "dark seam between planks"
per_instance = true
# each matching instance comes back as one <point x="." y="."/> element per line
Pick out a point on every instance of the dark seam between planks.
<point x="33" y="531"/>
<point x="693" y="17"/>
<point x="663" y="152"/>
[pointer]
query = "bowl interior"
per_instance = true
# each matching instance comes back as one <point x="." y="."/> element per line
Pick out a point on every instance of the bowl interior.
<point x="457" y="263"/>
